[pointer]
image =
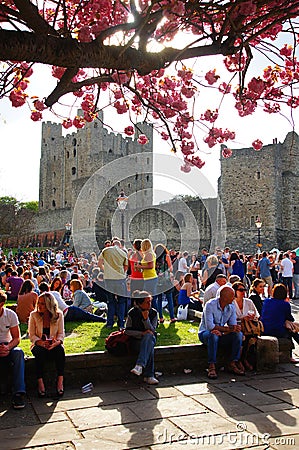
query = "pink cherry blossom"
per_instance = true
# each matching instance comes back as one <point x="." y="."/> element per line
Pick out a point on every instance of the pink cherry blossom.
<point x="142" y="139"/>
<point x="226" y="152"/>
<point x="186" y="167"/>
<point x="257" y="145"/>
<point x="17" y="98"/>
<point x="39" y="106"/>
<point x="211" y="77"/>
<point x="67" y="123"/>
<point x="79" y="122"/>
<point x="129" y="131"/>
<point x="36" y="116"/>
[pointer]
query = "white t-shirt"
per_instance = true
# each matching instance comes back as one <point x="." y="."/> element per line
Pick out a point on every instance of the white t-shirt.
<point x="8" y="320"/>
<point x="286" y="267"/>
<point x="182" y="266"/>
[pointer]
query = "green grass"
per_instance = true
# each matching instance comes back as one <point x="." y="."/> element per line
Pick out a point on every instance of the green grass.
<point x="84" y="337"/>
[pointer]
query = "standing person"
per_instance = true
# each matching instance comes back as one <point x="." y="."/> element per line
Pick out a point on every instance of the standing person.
<point x="141" y="325"/>
<point x="219" y="327"/>
<point x="114" y="262"/>
<point x="148" y="266"/>
<point x="46" y="333"/>
<point x="287" y="273"/>
<point x="236" y="265"/>
<point x="194" y="268"/>
<point x="165" y="277"/>
<point x="250" y="268"/>
<point x="136" y="276"/>
<point x="27" y="299"/>
<point x="10" y="354"/>
<point x="264" y="271"/>
<point x="295" y="261"/>
<point x="183" y="265"/>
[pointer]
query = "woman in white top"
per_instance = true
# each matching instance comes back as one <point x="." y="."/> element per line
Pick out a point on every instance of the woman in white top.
<point x="245" y="310"/>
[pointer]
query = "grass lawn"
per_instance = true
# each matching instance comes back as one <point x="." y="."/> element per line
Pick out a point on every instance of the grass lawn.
<point x="89" y="337"/>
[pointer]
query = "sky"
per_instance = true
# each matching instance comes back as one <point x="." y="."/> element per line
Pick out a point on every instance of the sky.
<point x="21" y="139"/>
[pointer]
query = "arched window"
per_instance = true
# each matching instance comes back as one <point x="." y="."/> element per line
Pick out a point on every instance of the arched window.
<point x="73" y="170"/>
<point x="75" y="152"/>
<point x="53" y="203"/>
<point x="74" y="141"/>
<point x="67" y="154"/>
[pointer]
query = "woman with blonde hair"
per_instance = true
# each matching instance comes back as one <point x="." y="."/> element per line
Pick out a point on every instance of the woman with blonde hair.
<point x="46" y="333"/>
<point x="211" y="272"/>
<point x="148" y="267"/>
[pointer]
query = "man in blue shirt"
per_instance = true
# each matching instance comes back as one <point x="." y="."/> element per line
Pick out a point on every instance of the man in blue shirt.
<point x="264" y="272"/>
<point x="219" y="327"/>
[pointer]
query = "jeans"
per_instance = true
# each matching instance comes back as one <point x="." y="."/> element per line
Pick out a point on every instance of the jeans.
<point x="296" y="284"/>
<point x="145" y="358"/>
<point x="233" y="340"/>
<point x="288" y="282"/>
<point x="150" y="286"/>
<point x="169" y="298"/>
<point x="16" y="358"/>
<point x="41" y="355"/>
<point x="77" y="314"/>
<point x="116" y="301"/>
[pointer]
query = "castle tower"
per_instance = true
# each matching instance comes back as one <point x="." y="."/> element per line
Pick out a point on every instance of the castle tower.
<point x="261" y="184"/>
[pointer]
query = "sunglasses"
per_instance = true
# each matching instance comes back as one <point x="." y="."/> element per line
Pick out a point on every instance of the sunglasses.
<point x="241" y="290"/>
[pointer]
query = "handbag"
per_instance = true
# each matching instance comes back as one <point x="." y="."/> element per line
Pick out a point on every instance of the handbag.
<point x="252" y="327"/>
<point x="182" y="313"/>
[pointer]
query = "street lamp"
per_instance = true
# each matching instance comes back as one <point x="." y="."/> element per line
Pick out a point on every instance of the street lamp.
<point x="122" y="201"/>
<point x="68" y="232"/>
<point x="258" y="224"/>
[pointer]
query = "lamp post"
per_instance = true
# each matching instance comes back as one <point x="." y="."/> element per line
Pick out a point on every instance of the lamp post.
<point x="258" y="224"/>
<point x="68" y="232"/>
<point x="122" y="201"/>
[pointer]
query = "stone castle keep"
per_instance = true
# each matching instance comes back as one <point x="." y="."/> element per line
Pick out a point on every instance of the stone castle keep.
<point x="82" y="174"/>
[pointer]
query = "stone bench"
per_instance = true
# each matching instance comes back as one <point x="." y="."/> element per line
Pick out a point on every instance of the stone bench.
<point x="82" y="368"/>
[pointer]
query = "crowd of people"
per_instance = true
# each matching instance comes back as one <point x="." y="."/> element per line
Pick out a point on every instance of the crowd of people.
<point x="232" y="290"/>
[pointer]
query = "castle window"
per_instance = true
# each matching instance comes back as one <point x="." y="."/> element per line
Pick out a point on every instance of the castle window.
<point x="52" y="139"/>
<point x="53" y="203"/>
<point x="257" y="175"/>
<point x="74" y="141"/>
<point x="73" y="170"/>
<point x="136" y="176"/>
<point x="147" y="178"/>
<point x="67" y="154"/>
<point x="65" y="203"/>
<point x="147" y="160"/>
<point x="75" y="152"/>
<point x="110" y="151"/>
<point x="54" y="158"/>
<point x="129" y="185"/>
<point x="89" y="222"/>
<point x="54" y="190"/>
<point x="42" y="204"/>
<point x="252" y="221"/>
<point x="54" y="174"/>
<point x="180" y="220"/>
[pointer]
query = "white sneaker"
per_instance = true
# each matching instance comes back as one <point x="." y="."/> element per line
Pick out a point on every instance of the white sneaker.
<point x="137" y="370"/>
<point x="151" y="380"/>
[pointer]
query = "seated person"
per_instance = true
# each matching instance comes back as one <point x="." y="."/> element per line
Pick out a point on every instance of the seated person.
<point x="13" y="284"/>
<point x="71" y="313"/>
<point x="10" y="354"/>
<point x="211" y="291"/>
<point x="27" y="299"/>
<point x="80" y="298"/>
<point x="219" y="327"/>
<point x="98" y="285"/>
<point x="257" y="289"/>
<point x="141" y="324"/>
<point x="46" y="333"/>
<point x="187" y="296"/>
<point x="275" y="312"/>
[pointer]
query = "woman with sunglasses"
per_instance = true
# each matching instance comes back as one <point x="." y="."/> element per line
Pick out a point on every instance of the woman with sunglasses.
<point x="245" y="310"/>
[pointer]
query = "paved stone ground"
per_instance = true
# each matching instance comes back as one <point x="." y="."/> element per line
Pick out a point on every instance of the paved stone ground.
<point x="257" y="411"/>
<point x="185" y="411"/>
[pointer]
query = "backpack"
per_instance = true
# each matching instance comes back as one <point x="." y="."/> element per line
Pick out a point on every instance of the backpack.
<point x="118" y="343"/>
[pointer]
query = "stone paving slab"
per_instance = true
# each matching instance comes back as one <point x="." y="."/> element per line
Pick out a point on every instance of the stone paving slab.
<point x="197" y="388"/>
<point x="272" y="384"/>
<point x="276" y="423"/>
<point x="52" y="417"/>
<point x="96" y="444"/>
<point x="134" y="435"/>
<point x="164" y="392"/>
<point x="102" y="417"/>
<point x="289" y="396"/>
<point x="63" y="446"/>
<point x="167" y="407"/>
<point x="205" y="423"/>
<point x="142" y="394"/>
<point x="222" y="442"/>
<point x="248" y="394"/>
<point x="37" y="435"/>
<point x="224" y="404"/>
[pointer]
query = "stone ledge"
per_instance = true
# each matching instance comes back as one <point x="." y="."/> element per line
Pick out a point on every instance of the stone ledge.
<point x="81" y="368"/>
